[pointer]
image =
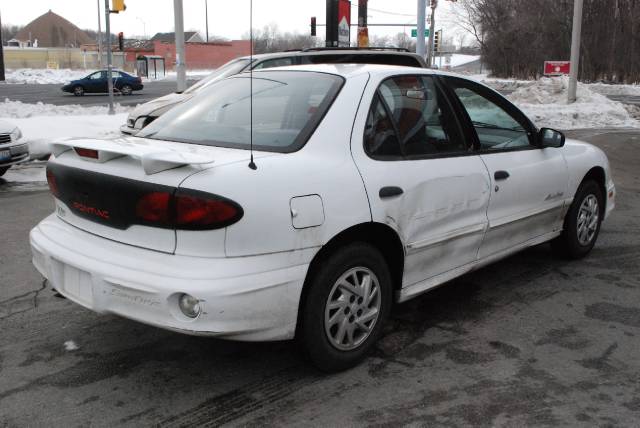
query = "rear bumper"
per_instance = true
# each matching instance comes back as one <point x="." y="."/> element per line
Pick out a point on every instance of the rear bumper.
<point x="246" y="298"/>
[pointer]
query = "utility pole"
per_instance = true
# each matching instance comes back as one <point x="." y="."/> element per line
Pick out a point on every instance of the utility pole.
<point x="363" y="30"/>
<point x="432" y="28"/>
<point x="420" y="48"/>
<point x="206" y="18"/>
<point x="99" y="37"/>
<point x="107" y="18"/>
<point x="179" y="33"/>
<point x="331" y="39"/>
<point x="2" y="77"/>
<point x="575" y="49"/>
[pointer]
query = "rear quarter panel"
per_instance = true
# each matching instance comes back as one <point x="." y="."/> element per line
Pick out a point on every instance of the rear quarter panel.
<point x="323" y="167"/>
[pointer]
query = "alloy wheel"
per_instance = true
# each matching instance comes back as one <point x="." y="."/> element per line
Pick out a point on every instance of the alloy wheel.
<point x="352" y="308"/>
<point x="588" y="216"/>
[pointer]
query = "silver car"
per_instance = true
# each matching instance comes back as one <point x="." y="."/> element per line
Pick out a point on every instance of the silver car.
<point x="12" y="150"/>
<point x="146" y="113"/>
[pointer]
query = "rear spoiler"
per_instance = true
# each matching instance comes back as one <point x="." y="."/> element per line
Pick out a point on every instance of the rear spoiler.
<point x="153" y="159"/>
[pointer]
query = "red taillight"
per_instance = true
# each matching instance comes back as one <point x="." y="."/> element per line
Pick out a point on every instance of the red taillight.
<point x="53" y="185"/>
<point x="86" y="153"/>
<point x="154" y="207"/>
<point x="203" y="212"/>
<point x="194" y="211"/>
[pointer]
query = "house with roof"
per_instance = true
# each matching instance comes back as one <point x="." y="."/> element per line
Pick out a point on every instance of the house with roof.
<point x="51" y="31"/>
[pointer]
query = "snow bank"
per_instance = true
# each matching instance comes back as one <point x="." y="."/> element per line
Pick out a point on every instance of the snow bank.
<point x="545" y="102"/>
<point x="615" y="89"/>
<point x="43" y="76"/>
<point x="30" y="172"/>
<point x="40" y="131"/>
<point x="42" y="123"/>
<point x="460" y="59"/>
<point x="64" y="75"/>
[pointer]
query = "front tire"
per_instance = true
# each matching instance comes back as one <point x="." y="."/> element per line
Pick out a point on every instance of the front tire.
<point x="582" y="222"/>
<point x="3" y="170"/>
<point x="346" y="307"/>
<point x="78" y="91"/>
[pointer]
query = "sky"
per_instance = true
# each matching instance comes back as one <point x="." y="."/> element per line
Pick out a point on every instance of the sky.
<point x="229" y="19"/>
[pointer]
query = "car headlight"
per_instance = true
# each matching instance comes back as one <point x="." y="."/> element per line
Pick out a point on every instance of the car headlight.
<point x="16" y="134"/>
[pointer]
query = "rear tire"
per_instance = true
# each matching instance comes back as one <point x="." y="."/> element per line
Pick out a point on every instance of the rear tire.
<point x="346" y="306"/>
<point x="78" y="91"/>
<point x="3" y="170"/>
<point x="582" y="222"/>
<point x="126" y="90"/>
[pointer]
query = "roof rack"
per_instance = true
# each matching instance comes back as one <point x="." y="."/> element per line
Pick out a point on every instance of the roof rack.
<point x="372" y="48"/>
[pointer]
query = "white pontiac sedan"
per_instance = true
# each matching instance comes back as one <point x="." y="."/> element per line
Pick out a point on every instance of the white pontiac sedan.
<point x="369" y="185"/>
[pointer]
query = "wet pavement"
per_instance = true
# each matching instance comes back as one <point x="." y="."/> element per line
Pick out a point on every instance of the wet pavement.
<point x="530" y="340"/>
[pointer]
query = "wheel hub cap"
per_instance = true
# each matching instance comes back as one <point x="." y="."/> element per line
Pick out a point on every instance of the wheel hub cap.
<point x="352" y="309"/>
<point x="588" y="216"/>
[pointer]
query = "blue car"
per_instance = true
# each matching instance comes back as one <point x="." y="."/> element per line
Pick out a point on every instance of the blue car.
<point x="96" y="83"/>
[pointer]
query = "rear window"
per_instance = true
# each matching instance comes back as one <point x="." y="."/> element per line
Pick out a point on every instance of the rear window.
<point x="287" y="107"/>
<point x="377" y="58"/>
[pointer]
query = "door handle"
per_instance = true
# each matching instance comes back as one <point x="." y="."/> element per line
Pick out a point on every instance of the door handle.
<point x="390" y="191"/>
<point x="501" y="175"/>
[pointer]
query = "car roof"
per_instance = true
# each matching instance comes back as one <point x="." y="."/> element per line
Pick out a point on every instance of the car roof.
<point x="350" y="70"/>
<point x="331" y="52"/>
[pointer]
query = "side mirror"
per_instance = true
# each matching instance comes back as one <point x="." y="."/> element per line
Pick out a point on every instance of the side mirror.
<point x="548" y="137"/>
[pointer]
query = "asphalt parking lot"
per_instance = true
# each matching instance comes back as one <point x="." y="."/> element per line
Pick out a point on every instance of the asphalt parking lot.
<point x="531" y="340"/>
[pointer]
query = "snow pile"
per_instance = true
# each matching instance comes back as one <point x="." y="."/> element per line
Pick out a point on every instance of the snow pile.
<point x="18" y="109"/>
<point x="43" y="76"/>
<point x="545" y="102"/>
<point x="43" y="123"/>
<point x="29" y="172"/>
<point x="615" y="89"/>
<point x="460" y="59"/>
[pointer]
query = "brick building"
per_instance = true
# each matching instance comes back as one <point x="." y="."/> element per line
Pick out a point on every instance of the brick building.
<point x="199" y="55"/>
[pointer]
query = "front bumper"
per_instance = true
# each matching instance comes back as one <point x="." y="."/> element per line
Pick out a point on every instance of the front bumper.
<point x="245" y="298"/>
<point x="610" y="198"/>
<point x="19" y="153"/>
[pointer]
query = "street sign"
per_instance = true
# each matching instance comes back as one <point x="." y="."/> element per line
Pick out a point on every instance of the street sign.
<point x="557" y="68"/>
<point x="414" y="32"/>
<point x="344" y="23"/>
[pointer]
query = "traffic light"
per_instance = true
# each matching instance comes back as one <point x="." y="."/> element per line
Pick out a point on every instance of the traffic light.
<point x="121" y="41"/>
<point x="313" y="26"/>
<point x="437" y="38"/>
<point x="118" y="6"/>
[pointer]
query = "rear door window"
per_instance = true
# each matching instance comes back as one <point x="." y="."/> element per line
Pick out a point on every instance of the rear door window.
<point x="423" y="120"/>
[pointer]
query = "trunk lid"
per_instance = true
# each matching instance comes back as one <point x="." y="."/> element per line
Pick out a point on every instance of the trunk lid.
<point x="97" y="184"/>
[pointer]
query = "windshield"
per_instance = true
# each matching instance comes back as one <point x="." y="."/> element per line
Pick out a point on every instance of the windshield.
<point x="287" y="107"/>
<point x="228" y="69"/>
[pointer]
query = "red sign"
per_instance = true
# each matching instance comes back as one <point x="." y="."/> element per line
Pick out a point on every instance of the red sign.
<point x="344" y="23"/>
<point x="557" y="68"/>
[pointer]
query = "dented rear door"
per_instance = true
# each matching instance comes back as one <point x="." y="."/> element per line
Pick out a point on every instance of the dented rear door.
<point x="421" y="177"/>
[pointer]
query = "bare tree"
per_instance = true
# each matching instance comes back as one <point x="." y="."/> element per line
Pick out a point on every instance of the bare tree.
<point x="517" y="36"/>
